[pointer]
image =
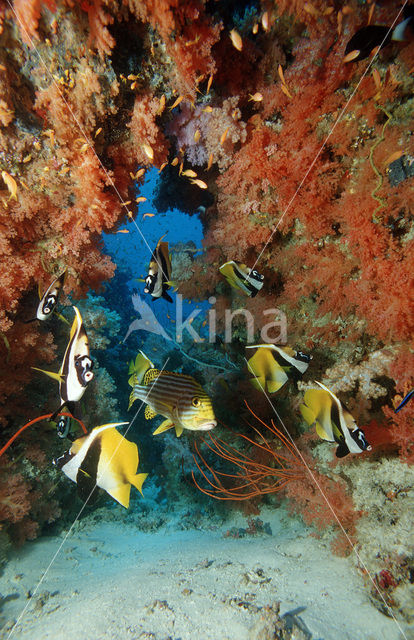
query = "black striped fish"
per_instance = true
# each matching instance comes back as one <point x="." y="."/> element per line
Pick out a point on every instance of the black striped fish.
<point x="240" y="277"/>
<point x="104" y="459"/>
<point x="49" y="299"/>
<point x="177" y="397"/>
<point x="159" y="272"/>
<point x="75" y="372"/>
<point x="272" y="366"/>
<point x="333" y="421"/>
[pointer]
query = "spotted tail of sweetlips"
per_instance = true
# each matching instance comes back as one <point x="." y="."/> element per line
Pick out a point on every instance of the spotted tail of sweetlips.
<point x="137" y="371"/>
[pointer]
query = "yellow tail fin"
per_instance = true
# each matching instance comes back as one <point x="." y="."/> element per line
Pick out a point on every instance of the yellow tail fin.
<point x="138" y="481"/>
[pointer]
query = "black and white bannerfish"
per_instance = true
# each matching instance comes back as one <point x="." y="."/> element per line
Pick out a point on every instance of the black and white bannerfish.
<point x="240" y="277"/>
<point x="49" y="300"/>
<point x="75" y="372"/>
<point x="373" y="36"/>
<point x="333" y="421"/>
<point x="272" y="366"/>
<point x="103" y="458"/>
<point x="178" y="397"/>
<point x="159" y="272"/>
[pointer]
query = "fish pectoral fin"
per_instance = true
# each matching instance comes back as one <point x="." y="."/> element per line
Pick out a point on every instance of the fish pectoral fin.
<point x="59" y="315"/>
<point x="322" y="433"/>
<point x="51" y="374"/>
<point x="164" y="426"/>
<point x="178" y="430"/>
<point x="138" y="481"/>
<point x="149" y="413"/>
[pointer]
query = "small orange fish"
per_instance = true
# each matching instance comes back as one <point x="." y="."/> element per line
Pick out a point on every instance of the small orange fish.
<point x="10" y="183"/>
<point x="98" y="131"/>
<point x="210" y="161"/>
<point x="161" y="106"/>
<point x="148" y="215"/>
<point x="377" y="78"/>
<point x="122" y="231"/>
<point x="281" y="74"/>
<point x="199" y="183"/>
<point x="177" y="102"/>
<point x="393" y="157"/>
<point x="208" y="109"/>
<point x="138" y="174"/>
<point x="255" y="28"/>
<point x="148" y="150"/>
<point x="140" y="199"/>
<point x="164" y="164"/>
<point x="236" y="40"/>
<point x="371" y="11"/>
<point x="256" y="97"/>
<point x="197" y="135"/>
<point x="189" y="173"/>
<point x="174" y="162"/>
<point x="265" y="21"/>
<point x="309" y="8"/>
<point x="286" y="91"/>
<point x="224" y="136"/>
<point x="209" y="83"/>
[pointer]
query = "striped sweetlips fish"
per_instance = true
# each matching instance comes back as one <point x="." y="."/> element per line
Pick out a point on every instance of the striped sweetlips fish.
<point x="75" y="372"/>
<point x="178" y="397"/>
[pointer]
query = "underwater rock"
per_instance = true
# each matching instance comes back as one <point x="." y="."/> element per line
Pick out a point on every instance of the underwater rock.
<point x="400" y="170"/>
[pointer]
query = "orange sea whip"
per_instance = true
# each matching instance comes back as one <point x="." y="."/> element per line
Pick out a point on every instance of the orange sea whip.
<point x="28" y="424"/>
<point x="253" y="478"/>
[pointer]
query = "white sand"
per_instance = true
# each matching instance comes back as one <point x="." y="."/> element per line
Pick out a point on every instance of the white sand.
<point x="114" y="582"/>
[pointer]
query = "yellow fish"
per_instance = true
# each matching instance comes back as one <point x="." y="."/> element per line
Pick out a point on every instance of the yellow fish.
<point x="272" y="366"/>
<point x="333" y="421"/>
<point x="177" y="397"/>
<point x="103" y="458"/>
<point x="240" y="277"/>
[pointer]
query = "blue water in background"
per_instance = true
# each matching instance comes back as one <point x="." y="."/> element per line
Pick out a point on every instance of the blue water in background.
<point x="132" y="252"/>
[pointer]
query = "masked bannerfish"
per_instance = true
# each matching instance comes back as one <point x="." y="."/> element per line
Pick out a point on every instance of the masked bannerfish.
<point x="49" y="299"/>
<point x="242" y="278"/>
<point x="159" y="272"/>
<point x="272" y="366"/>
<point x="105" y="459"/>
<point x="368" y="39"/>
<point x="75" y="372"/>
<point x="177" y="397"/>
<point x="333" y="421"/>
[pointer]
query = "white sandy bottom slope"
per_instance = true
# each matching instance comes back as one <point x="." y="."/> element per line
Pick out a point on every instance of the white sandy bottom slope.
<point x="110" y="581"/>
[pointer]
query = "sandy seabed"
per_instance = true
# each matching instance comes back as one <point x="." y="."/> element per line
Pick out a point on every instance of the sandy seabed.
<point x="111" y="581"/>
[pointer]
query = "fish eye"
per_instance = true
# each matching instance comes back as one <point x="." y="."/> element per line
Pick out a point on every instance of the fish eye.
<point x="196" y="402"/>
